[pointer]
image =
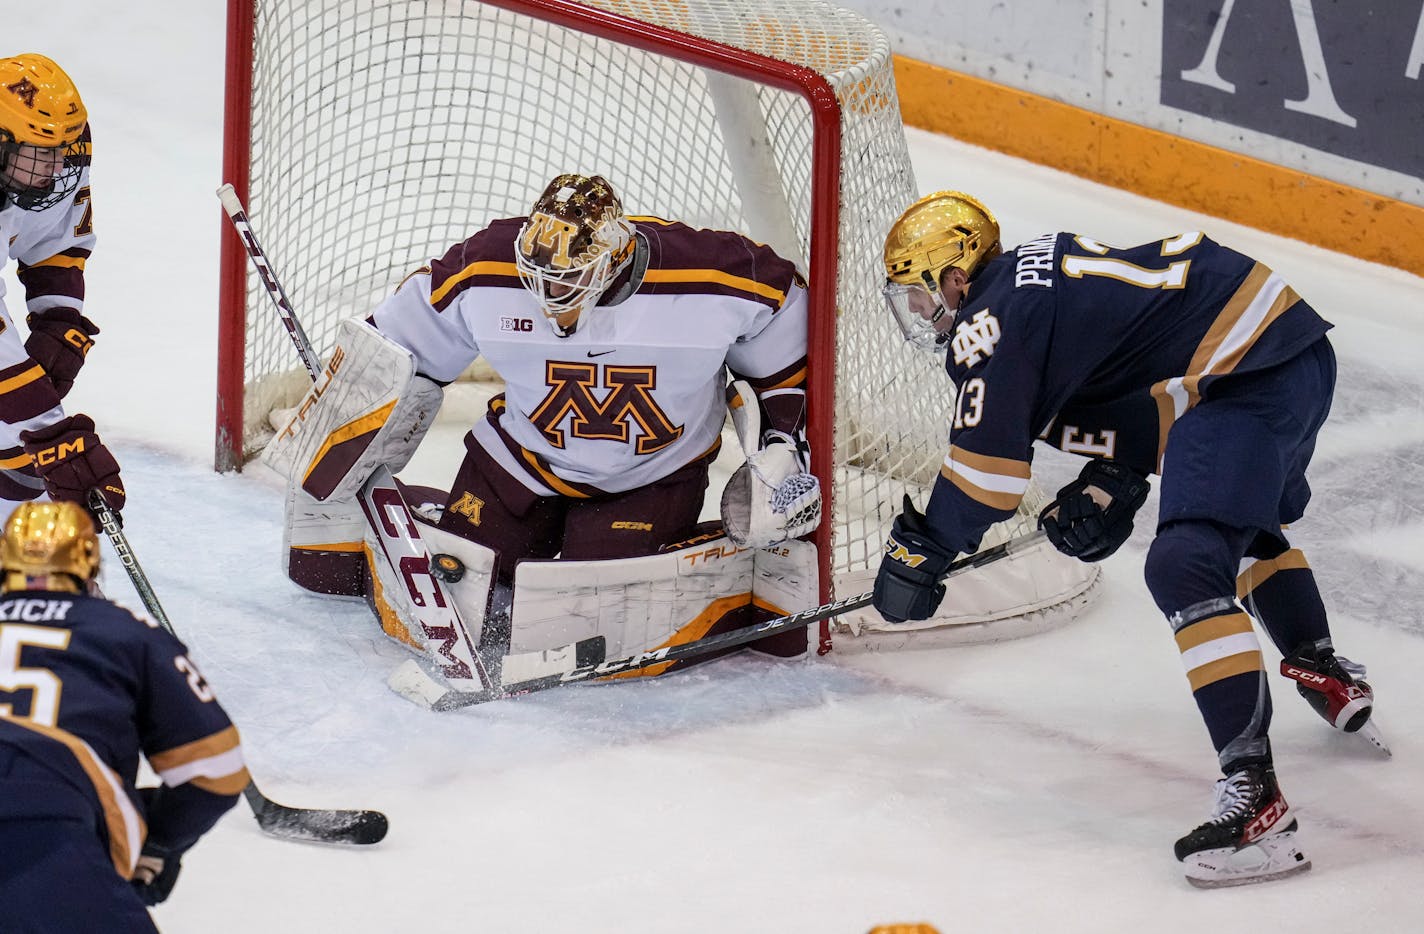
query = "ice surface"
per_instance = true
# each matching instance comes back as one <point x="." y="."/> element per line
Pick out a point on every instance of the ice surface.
<point x="1034" y="785"/>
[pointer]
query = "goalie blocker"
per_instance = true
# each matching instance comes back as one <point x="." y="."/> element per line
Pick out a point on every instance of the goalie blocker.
<point x="370" y="410"/>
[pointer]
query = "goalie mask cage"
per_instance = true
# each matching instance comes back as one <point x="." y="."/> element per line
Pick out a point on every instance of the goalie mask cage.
<point x="366" y="136"/>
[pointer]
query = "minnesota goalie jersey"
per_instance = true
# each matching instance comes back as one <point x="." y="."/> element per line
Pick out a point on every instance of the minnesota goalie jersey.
<point x="638" y="390"/>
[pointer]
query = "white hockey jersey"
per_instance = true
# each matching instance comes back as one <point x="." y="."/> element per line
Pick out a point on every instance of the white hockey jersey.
<point x="638" y="390"/>
<point x="51" y="247"/>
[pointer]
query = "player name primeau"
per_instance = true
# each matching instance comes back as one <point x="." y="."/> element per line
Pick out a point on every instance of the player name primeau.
<point x="35" y="611"/>
<point x="1035" y="257"/>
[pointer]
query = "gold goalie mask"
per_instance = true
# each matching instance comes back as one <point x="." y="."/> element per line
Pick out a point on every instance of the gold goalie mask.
<point x="49" y="546"/>
<point x="943" y="230"/>
<point x="574" y="244"/>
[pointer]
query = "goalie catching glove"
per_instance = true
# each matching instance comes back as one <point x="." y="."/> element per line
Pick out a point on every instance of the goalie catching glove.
<point x="908" y="585"/>
<point x="1092" y="516"/>
<point x="772" y="497"/>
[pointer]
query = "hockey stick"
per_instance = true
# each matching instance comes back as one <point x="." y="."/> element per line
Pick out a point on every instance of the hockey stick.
<point x="447" y="638"/>
<point x="313" y="824"/>
<point x="238" y="215"/>
<point x="455" y="699"/>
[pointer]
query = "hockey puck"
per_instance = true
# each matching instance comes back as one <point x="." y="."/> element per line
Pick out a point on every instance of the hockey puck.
<point x="447" y="568"/>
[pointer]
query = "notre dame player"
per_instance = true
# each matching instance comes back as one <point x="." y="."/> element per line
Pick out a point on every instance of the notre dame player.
<point x="85" y="689"/>
<point x="1179" y="357"/>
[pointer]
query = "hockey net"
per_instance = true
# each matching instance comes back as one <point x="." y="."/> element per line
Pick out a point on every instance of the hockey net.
<point x="366" y="136"/>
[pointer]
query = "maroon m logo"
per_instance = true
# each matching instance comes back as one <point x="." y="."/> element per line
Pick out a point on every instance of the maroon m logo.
<point x="24" y="91"/>
<point x="629" y="400"/>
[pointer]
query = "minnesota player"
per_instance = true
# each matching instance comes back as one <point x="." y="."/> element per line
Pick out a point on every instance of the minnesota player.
<point x="1178" y="357"/>
<point x="85" y="688"/>
<point x="614" y="336"/>
<point x="46" y="225"/>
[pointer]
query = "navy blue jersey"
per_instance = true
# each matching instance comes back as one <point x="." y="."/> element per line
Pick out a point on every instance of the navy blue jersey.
<point x="86" y="688"/>
<point x="1098" y="351"/>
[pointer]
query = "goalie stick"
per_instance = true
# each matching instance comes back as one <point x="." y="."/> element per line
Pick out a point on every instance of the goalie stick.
<point x="452" y="700"/>
<point x="238" y="215"/>
<point x="447" y="639"/>
<point x="316" y="825"/>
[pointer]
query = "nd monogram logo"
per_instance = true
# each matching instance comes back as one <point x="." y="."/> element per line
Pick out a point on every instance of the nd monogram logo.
<point x="976" y="337"/>
<point x="629" y="400"/>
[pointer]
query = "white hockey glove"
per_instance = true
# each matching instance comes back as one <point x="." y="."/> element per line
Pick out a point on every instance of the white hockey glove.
<point x="772" y="497"/>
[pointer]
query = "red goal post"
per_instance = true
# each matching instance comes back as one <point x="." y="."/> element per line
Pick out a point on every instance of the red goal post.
<point x="365" y="136"/>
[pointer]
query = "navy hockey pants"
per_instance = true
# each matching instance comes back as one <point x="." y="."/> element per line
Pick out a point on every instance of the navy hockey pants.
<point x="56" y="876"/>
<point x="1233" y="473"/>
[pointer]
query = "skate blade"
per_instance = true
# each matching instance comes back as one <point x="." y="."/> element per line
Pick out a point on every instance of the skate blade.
<point x="1266" y="860"/>
<point x="1232" y="881"/>
<point x="1372" y="733"/>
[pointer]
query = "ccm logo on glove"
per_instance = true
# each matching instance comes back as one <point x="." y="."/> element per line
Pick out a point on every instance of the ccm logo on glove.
<point x="53" y="455"/>
<point x="60" y="339"/>
<point x="898" y="552"/>
<point x="71" y="460"/>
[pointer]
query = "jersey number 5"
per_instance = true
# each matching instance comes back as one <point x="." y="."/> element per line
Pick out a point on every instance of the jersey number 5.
<point x="45" y="686"/>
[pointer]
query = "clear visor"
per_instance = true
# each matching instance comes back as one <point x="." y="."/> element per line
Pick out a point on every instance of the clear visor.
<point x="563" y="294"/>
<point x="920" y="314"/>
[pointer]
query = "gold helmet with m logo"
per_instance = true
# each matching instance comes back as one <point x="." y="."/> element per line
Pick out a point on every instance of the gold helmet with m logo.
<point x="41" y="121"/>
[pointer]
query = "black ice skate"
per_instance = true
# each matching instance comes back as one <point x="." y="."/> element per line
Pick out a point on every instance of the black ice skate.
<point x="1335" y="687"/>
<point x="1249" y="838"/>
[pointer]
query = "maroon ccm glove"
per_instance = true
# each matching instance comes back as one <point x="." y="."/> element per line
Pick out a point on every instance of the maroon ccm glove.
<point x="60" y="339"/>
<point x="71" y="460"/>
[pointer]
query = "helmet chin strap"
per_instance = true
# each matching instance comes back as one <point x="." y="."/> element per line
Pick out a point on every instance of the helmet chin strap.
<point x="932" y="287"/>
<point x="942" y="337"/>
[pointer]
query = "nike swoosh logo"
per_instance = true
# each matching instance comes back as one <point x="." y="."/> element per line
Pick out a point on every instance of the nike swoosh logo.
<point x="601" y="352"/>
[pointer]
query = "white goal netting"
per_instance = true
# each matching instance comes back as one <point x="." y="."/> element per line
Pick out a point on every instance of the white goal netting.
<point x="382" y="131"/>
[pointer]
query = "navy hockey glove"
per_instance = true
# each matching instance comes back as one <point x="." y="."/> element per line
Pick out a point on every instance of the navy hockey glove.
<point x="156" y="873"/>
<point x="1079" y="526"/>
<point x="71" y="460"/>
<point x="908" y="584"/>
<point x="60" y="339"/>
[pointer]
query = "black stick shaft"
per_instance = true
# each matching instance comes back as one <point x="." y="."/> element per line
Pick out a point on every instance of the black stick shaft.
<point x="727" y="640"/>
<point x="278" y="819"/>
<point x="238" y="215"/>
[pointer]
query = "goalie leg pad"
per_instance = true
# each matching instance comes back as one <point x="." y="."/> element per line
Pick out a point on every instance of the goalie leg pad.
<point x="369" y="409"/>
<point x="323" y="544"/>
<point x="636" y="604"/>
<point x="785" y="579"/>
<point x="640" y="604"/>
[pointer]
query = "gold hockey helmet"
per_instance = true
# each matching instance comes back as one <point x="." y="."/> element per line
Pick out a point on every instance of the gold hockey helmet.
<point x="41" y="120"/>
<point x="574" y="244"/>
<point x="942" y="230"/>
<point x="49" y="546"/>
<point x="39" y="104"/>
